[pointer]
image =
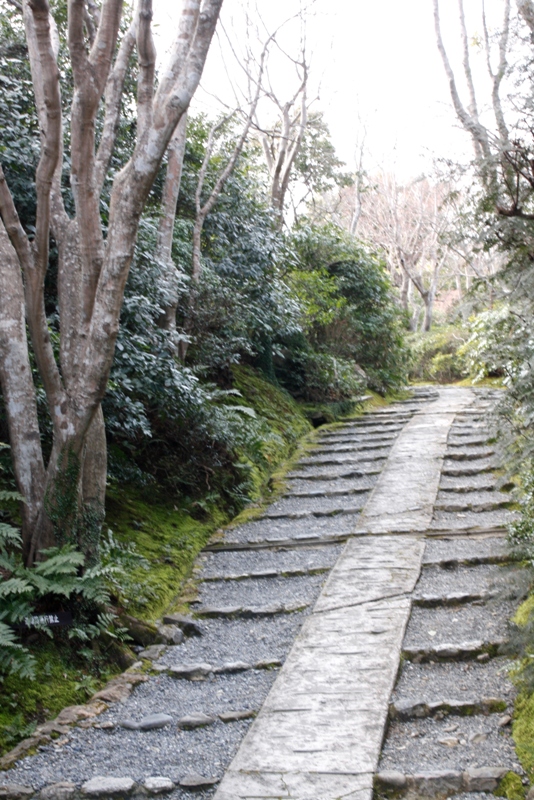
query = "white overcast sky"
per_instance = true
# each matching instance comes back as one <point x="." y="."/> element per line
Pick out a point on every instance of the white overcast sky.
<point x="371" y="61"/>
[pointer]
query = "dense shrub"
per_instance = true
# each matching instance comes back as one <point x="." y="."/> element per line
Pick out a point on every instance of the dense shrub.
<point x="438" y="355"/>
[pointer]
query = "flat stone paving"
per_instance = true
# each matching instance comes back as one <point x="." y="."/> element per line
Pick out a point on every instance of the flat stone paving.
<point x="303" y="616"/>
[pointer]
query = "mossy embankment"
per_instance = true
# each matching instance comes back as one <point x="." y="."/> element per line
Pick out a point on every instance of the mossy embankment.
<point x="158" y="538"/>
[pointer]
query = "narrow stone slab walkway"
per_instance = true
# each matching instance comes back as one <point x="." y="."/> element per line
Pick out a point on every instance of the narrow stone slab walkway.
<point x="388" y="542"/>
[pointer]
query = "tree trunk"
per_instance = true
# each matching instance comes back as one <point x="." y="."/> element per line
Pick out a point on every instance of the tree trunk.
<point x="18" y="390"/>
<point x="171" y="190"/>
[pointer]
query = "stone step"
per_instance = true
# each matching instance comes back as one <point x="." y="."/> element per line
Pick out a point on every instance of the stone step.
<point x="472" y="501"/>
<point x="451" y="753"/>
<point x="347" y="458"/>
<point x="247" y="612"/>
<point x="252" y="640"/>
<point x="472" y="520"/>
<point x="349" y="447"/>
<point x="280" y="561"/>
<point x="283" y="531"/>
<point x="428" y="600"/>
<point x="462" y="581"/>
<point x="348" y="437"/>
<point x="315" y="488"/>
<point x="467" y="439"/>
<point x="482" y="482"/>
<point x="297" y="508"/>
<point x="453" y="468"/>
<point x="459" y="682"/>
<point x="417" y="709"/>
<point x="333" y="472"/>
<point x="454" y="651"/>
<point x="264" y="574"/>
<point x="258" y="592"/>
<point x="429" y="628"/>
<point x="468" y="454"/>
<point x="440" y="783"/>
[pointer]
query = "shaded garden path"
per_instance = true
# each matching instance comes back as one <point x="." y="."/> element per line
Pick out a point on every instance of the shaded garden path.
<point x="399" y="512"/>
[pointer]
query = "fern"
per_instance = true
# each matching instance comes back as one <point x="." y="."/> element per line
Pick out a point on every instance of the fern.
<point x="14" y="658"/>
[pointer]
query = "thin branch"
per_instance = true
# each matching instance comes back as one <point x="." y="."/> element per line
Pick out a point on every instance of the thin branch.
<point x="147" y="67"/>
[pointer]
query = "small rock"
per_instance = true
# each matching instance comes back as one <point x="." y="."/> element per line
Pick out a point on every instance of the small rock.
<point x="449" y="741"/>
<point x="196" y="781"/>
<point x="505" y="720"/>
<point x="477" y="738"/>
<point x="437" y="782"/>
<point x="197" y="720"/>
<point x="153" y="652"/>
<point x="530" y="794"/>
<point x="114" y="694"/>
<point x="158" y="785"/>
<point x="391" y="779"/>
<point x="105" y="726"/>
<point x="58" y="791"/>
<point x="234" y="716"/>
<point x="191" y="672"/>
<point x="483" y="779"/>
<point x="233" y="666"/>
<point x="483" y="657"/>
<point x="148" y="723"/>
<point x="187" y="624"/>
<point x="15" y="791"/>
<point x="104" y="787"/>
<point x="171" y="633"/>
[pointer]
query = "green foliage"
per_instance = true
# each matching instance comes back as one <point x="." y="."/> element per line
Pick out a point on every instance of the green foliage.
<point x="56" y="583"/>
<point x="353" y="317"/>
<point x="492" y="348"/>
<point x="438" y="355"/>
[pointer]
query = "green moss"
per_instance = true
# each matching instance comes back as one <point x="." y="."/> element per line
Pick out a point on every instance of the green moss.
<point x="511" y="786"/>
<point x="166" y="536"/>
<point x="63" y="678"/>
<point x="524" y="611"/>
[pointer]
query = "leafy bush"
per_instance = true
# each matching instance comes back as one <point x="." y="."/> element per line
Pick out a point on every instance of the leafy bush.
<point x="492" y="348"/>
<point x="438" y="355"/>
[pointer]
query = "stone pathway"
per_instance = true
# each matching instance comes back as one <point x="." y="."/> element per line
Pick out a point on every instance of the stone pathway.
<point x="388" y="541"/>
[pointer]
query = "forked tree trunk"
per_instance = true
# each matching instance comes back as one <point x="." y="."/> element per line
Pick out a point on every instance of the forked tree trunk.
<point x="65" y="502"/>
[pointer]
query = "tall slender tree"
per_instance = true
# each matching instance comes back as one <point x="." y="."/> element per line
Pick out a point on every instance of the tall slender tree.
<point x="64" y="496"/>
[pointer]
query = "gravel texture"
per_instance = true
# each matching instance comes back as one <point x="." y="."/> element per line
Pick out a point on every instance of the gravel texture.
<point x="471" y="467"/>
<point x="485" y="481"/>
<point x="303" y="488"/>
<point x="464" y="548"/>
<point x="334" y="471"/>
<point x="414" y="746"/>
<point x="431" y="626"/>
<point x="480" y="580"/>
<point x="271" y="530"/>
<point x="357" y="438"/>
<point x="238" y="640"/>
<point x="296" y="507"/>
<point x="168" y="751"/>
<point x="352" y="457"/>
<point x="462" y="453"/>
<point x="244" y="561"/>
<point x="466" y="681"/>
<point x="445" y="520"/>
<point x="262" y="591"/>
<point x="471" y="501"/>
<point x="479" y="439"/>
